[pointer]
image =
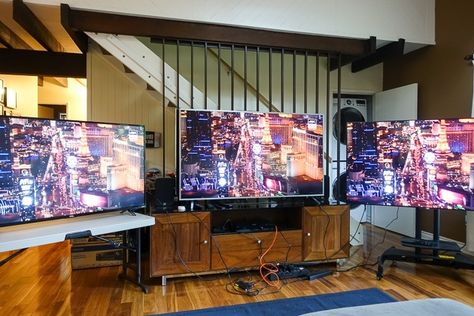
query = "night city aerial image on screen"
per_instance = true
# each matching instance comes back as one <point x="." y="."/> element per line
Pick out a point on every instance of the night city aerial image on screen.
<point x="423" y="163"/>
<point x="245" y="154"/>
<point x="52" y="168"/>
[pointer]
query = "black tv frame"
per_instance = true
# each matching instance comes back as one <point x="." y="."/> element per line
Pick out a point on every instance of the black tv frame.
<point x="403" y="206"/>
<point x="232" y="200"/>
<point x="103" y="210"/>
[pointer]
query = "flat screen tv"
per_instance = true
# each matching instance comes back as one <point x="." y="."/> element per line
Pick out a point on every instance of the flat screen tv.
<point x="417" y="163"/>
<point x="231" y="154"/>
<point x="57" y="168"/>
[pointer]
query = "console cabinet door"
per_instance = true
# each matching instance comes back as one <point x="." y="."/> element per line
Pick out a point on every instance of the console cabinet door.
<point x="180" y="243"/>
<point x="332" y="221"/>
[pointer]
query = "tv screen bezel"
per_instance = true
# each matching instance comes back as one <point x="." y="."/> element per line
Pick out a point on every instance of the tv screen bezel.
<point x="97" y="211"/>
<point x="178" y="160"/>
<point x="392" y="205"/>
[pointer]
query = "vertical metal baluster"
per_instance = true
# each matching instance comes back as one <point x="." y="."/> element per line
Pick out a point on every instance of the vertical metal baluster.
<point x="205" y="75"/>
<point x="232" y="77"/>
<point x="258" y="78"/>
<point x="163" y="123"/>
<point x="177" y="74"/>
<point x="317" y="83"/>
<point x="338" y="166"/>
<point x="219" y="76"/>
<point x="305" y="82"/>
<point x="282" y="83"/>
<point x="294" y="81"/>
<point x="245" y="77"/>
<point x="192" y="74"/>
<point x="328" y="91"/>
<point x="270" y="78"/>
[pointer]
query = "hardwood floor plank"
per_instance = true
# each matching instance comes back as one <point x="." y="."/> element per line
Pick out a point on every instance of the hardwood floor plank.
<point x="40" y="282"/>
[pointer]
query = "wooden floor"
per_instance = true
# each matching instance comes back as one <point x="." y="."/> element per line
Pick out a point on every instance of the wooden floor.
<point x="39" y="281"/>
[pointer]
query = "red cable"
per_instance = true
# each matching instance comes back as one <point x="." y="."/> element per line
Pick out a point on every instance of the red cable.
<point x="267" y="269"/>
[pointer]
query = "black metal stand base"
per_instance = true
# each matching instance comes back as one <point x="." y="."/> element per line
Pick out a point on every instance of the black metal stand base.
<point x="124" y="277"/>
<point x="134" y="265"/>
<point x="458" y="260"/>
<point x="442" y="253"/>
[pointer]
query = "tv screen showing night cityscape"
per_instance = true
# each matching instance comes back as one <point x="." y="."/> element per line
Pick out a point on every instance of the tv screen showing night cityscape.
<point x="418" y="163"/>
<point x="228" y="154"/>
<point x="56" y="168"/>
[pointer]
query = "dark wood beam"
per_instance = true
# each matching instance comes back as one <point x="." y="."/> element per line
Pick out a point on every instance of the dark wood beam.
<point x="101" y="22"/>
<point x="383" y="53"/>
<point x="28" y="20"/>
<point x="10" y="40"/>
<point x="347" y="59"/>
<point x="4" y="43"/>
<point x="78" y="37"/>
<point x="41" y="63"/>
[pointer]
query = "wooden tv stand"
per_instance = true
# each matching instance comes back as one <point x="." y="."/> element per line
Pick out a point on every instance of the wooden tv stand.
<point x="189" y="243"/>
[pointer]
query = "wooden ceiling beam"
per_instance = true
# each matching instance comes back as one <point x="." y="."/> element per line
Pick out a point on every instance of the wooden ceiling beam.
<point x="41" y="63"/>
<point x="347" y="59"/>
<point x="89" y="21"/>
<point x="10" y="40"/>
<point x="79" y="38"/>
<point x="28" y="20"/>
<point x="383" y="53"/>
<point x="5" y="43"/>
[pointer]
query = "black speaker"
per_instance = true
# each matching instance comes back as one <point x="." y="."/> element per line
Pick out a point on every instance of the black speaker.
<point x="348" y="115"/>
<point x="339" y="189"/>
<point x="326" y="190"/>
<point x="165" y="193"/>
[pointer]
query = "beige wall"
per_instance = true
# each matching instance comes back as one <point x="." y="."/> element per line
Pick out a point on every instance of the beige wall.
<point x="26" y="88"/>
<point x="74" y="97"/>
<point x="115" y="97"/>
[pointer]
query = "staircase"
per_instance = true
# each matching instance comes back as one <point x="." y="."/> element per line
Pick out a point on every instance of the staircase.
<point x="139" y="60"/>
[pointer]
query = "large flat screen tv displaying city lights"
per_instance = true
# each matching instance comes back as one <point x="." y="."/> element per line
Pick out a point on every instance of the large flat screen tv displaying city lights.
<point x="231" y="154"/>
<point x="417" y="163"/>
<point x="57" y="168"/>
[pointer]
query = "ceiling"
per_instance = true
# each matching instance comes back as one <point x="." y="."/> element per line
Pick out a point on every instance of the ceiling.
<point x="49" y="16"/>
<point x="39" y="25"/>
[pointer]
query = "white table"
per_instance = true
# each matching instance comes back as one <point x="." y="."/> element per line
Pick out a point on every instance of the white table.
<point x="41" y="233"/>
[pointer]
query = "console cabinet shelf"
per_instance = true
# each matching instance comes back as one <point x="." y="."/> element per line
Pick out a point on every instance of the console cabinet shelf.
<point x="184" y="243"/>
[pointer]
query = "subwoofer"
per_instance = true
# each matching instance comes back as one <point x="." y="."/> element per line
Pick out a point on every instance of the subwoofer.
<point x="164" y="196"/>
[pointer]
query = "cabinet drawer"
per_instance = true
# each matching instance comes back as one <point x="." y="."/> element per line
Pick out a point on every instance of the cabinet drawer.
<point x="244" y="249"/>
<point x="251" y="258"/>
<point x="250" y="241"/>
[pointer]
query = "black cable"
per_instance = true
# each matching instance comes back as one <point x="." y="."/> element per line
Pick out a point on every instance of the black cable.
<point x="214" y="242"/>
<point x="177" y="251"/>
<point x="366" y="261"/>
<point x="351" y="239"/>
<point x="325" y="232"/>
<point x="288" y="244"/>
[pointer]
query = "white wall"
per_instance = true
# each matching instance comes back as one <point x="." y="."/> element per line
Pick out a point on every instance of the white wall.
<point x="388" y="20"/>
